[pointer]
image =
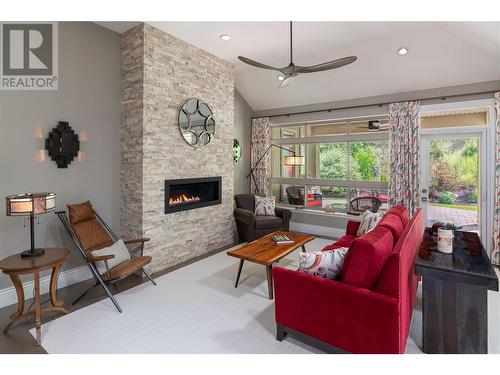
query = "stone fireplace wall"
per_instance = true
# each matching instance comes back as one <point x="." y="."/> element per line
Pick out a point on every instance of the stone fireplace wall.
<point x="159" y="73"/>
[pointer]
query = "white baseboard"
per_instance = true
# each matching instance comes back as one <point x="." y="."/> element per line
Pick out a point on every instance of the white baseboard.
<point x="8" y="296"/>
<point x="317" y="230"/>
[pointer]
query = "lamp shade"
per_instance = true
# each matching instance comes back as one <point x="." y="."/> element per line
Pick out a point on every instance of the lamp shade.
<point x="26" y="204"/>
<point x="294" y="160"/>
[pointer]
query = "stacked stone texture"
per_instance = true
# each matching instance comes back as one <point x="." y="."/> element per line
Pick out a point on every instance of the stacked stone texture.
<point x="153" y="149"/>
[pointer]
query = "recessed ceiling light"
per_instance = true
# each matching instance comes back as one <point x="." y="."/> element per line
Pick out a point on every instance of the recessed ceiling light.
<point x="280" y="77"/>
<point x="225" y="37"/>
<point x="402" y="51"/>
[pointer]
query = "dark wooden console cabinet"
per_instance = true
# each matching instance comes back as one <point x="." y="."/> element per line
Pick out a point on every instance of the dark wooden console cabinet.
<point x="454" y="295"/>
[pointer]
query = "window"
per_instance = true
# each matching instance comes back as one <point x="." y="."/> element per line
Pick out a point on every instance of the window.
<point x="278" y="166"/>
<point x="343" y="161"/>
<point x="369" y="161"/>
<point x="332" y="161"/>
<point x="284" y="193"/>
<point x="381" y="194"/>
<point x="327" y="196"/>
<point x="439" y="120"/>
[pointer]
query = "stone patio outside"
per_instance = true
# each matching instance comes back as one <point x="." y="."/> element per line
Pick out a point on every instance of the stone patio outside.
<point x="468" y="219"/>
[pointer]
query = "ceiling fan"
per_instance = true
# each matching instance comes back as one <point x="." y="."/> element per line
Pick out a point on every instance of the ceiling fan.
<point x="288" y="73"/>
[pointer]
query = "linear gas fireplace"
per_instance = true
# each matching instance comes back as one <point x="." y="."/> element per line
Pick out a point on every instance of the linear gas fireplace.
<point x="187" y="194"/>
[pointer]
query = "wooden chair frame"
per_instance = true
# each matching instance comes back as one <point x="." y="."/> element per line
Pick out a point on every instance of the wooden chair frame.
<point x="90" y="261"/>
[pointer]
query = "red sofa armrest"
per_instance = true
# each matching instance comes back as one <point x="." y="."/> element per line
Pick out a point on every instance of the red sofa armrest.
<point x="349" y="318"/>
<point x="352" y="227"/>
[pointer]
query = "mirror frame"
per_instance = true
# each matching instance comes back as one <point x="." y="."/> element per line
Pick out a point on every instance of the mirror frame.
<point x="198" y="135"/>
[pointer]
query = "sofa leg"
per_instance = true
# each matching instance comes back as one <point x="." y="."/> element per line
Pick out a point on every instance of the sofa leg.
<point x="280" y="332"/>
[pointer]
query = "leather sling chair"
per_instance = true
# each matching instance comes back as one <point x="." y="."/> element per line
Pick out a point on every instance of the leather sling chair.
<point x="89" y="232"/>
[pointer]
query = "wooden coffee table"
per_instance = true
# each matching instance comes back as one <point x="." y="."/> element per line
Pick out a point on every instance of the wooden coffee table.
<point x="266" y="252"/>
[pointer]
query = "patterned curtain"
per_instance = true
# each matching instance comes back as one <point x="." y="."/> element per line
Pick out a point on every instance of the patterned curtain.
<point x="404" y="134"/>
<point x="261" y="140"/>
<point x="495" y="252"/>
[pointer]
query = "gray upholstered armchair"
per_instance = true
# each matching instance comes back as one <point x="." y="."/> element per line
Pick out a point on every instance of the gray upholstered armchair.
<point x="251" y="227"/>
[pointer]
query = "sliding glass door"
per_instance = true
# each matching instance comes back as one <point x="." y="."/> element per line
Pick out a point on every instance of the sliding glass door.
<point x="453" y="179"/>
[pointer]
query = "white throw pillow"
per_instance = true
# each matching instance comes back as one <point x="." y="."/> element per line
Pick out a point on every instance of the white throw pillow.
<point x="264" y="206"/>
<point x="369" y="220"/>
<point x="324" y="264"/>
<point x="118" y="249"/>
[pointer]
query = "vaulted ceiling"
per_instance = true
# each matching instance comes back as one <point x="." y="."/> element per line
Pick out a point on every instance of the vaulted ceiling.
<point x="440" y="54"/>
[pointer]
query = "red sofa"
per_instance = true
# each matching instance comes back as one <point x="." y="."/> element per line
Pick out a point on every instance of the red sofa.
<point x="369" y="309"/>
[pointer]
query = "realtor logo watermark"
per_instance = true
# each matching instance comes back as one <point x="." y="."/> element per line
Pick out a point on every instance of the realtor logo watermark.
<point x="29" y="56"/>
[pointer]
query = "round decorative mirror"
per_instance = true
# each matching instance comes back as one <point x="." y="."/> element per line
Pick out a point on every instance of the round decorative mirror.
<point x="196" y="123"/>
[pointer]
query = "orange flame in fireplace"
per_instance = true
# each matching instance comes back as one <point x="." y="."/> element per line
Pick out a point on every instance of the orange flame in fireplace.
<point x="183" y="198"/>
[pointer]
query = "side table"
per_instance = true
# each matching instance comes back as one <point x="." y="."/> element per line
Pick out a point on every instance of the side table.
<point x="454" y="295"/>
<point x="15" y="265"/>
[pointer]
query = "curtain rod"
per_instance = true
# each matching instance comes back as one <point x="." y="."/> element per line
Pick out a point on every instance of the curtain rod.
<point x="442" y="97"/>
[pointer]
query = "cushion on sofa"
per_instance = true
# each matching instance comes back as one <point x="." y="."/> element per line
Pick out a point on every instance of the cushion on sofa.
<point x="323" y="264"/>
<point x="393" y="223"/>
<point x="402" y="212"/>
<point x="268" y="222"/>
<point x="366" y="257"/>
<point x="369" y="221"/>
<point x="352" y="227"/>
<point x="264" y="206"/>
<point x="344" y="241"/>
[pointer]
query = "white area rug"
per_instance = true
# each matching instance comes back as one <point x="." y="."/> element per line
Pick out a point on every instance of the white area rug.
<point x="195" y="309"/>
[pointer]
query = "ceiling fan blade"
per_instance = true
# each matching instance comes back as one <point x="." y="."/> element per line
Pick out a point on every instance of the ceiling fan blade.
<point x="257" y="64"/>
<point x="287" y="81"/>
<point x="326" y="66"/>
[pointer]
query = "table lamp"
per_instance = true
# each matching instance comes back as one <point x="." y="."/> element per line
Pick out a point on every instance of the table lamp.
<point x="31" y="204"/>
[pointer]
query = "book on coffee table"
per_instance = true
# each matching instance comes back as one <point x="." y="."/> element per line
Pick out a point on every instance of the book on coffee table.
<point x="282" y="239"/>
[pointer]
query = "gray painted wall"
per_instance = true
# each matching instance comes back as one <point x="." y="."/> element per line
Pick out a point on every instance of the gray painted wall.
<point x="242" y="131"/>
<point x="89" y="98"/>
